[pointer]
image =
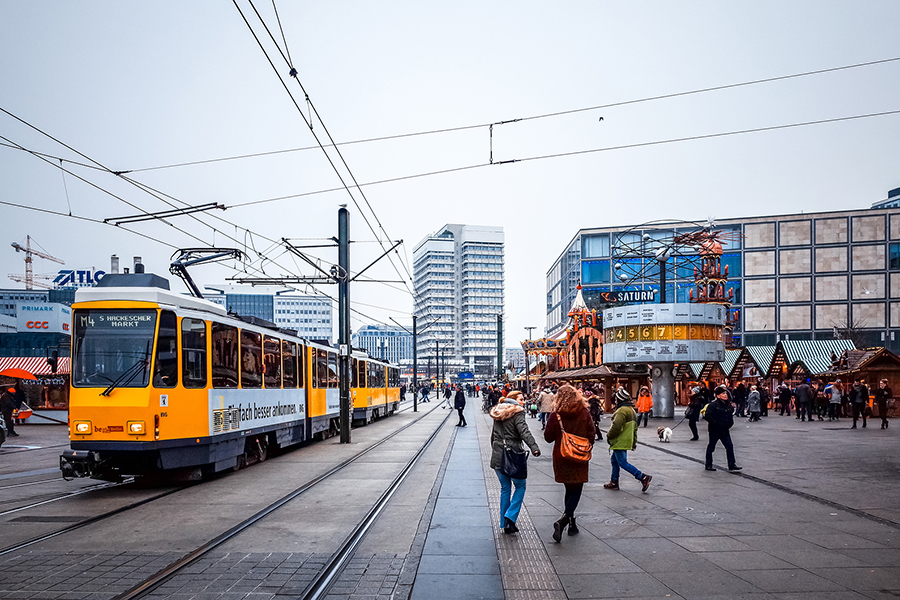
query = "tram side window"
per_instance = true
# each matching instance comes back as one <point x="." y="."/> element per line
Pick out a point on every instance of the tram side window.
<point x="332" y="370"/>
<point x="320" y="373"/>
<point x="165" y="369"/>
<point x="354" y="376"/>
<point x="362" y="373"/>
<point x="301" y="366"/>
<point x="379" y="375"/>
<point x="393" y="377"/>
<point x="193" y="353"/>
<point x="225" y="356"/>
<point x="272" y="361"/>
<point x="289" y="371"/>
<point x="251" y="359"/>
<point x="373" y="375"/>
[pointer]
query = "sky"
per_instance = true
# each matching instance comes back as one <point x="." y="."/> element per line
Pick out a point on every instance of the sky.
<point x="131" y="87"/>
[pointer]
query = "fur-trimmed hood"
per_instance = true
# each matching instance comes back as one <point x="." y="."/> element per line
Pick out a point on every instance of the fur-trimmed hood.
<point x="506" y="409"/>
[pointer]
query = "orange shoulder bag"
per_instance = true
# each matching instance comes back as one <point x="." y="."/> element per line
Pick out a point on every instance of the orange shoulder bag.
<point x="574" y="447"/>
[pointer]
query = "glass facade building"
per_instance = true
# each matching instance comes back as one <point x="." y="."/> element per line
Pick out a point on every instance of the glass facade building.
<point x="459" y="286"/>
<point x="391" y="344"/>
<point x="799" y="277"/>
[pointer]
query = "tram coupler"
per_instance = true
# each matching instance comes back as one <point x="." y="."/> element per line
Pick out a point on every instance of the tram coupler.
<point x="78" y="463"/>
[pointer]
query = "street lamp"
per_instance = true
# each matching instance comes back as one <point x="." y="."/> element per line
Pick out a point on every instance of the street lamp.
<point x="527" y="366"/>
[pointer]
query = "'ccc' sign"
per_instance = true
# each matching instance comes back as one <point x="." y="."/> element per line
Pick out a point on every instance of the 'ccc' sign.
<point x="38" y="325"/>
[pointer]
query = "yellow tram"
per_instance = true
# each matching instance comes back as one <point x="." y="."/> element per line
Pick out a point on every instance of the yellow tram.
<point x="163" y="382"/>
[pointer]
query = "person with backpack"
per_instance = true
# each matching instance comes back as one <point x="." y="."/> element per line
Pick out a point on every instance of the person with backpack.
<point x="719" y="414"/>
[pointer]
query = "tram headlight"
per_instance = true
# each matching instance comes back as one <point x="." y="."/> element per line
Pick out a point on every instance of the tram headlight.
<point x="83" y="427"/>
<point x="137" y="427"/>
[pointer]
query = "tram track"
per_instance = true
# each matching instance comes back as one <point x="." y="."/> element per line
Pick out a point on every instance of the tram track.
<point x="326" y="576"/>
<point x="191" y="557"/>
<point x="84" y="490"/>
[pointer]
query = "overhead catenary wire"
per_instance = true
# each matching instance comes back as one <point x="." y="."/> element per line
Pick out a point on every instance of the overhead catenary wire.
<point x="574" y="153"/>
<point x="531" y="117"/>
<point x="311" y="104"/>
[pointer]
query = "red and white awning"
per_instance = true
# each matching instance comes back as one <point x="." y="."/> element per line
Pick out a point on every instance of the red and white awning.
<point x="36" y="365"/>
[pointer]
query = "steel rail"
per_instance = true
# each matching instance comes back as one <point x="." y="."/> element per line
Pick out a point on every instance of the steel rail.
<point x="166" y="573"/>
<point x="79" y="525"/>
<point x="319" y="587"/>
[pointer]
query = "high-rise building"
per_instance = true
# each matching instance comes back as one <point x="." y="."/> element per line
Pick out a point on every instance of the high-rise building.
<point x="391" y="344"/>
<point x="310" y="316"/>
<point x="458" y="274"/>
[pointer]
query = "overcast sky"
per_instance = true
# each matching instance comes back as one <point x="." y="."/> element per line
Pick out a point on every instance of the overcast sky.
<point x="140" y="85"/>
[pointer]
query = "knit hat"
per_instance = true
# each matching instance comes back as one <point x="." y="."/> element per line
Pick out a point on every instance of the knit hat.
<point x="721" y="390"/>
<point x="622" y="396"/>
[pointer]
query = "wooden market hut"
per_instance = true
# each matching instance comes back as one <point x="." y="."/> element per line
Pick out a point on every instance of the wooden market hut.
<point x="797" y="360"/>
<point x="871" y="364"/>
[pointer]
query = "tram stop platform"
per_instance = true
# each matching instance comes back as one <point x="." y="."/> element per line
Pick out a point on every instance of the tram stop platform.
<point x="812" y="515"/>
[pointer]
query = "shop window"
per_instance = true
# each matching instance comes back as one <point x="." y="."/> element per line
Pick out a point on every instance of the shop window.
<point x="594" y="271"/>
<point x="595" y="246"/>
<point x="895" y="257"/>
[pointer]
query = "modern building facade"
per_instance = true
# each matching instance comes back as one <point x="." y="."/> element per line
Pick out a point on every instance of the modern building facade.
<point x="391" y="344"/>
<point x="459" y="292"/>
<point x="797" y="276"/>
<point x="312" y="317"/>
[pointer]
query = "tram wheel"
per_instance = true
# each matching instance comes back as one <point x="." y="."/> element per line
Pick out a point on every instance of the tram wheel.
<point x="262" y="448"/>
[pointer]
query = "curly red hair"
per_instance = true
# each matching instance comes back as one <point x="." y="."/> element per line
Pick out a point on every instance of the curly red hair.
<point x="568" y="400"/>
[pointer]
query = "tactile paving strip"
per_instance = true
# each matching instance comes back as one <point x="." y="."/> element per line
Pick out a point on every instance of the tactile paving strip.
<point x="525" y="566"/>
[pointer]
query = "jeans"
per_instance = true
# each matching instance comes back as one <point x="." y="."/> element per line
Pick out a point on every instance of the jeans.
<point x="619" y="459"/>
<point x="642" y="415"/>
<point x="462" y="418"/>
<point x="510" y="506"/>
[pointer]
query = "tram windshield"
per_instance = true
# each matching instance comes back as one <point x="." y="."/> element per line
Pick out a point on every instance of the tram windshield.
<point x="112" y="348"/>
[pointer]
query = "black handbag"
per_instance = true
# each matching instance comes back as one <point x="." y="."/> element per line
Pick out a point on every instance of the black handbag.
<point x="513" y="464"/>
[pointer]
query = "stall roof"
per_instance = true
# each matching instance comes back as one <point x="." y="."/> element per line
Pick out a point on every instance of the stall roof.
<point x="36" y="365"/>
<point x="858" y="360"/>
<point x="727" y="365"/>
<point x="814" y="356"/>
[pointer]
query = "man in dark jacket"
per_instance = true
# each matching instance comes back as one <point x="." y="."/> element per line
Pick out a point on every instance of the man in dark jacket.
<point x="7" y="405"/>
<point x="459" y="403"/>
<point x="720" y="416"/>
<point x="804" y="395"/>
<point x="859" y="396"/>
<point x="784" y="398"/>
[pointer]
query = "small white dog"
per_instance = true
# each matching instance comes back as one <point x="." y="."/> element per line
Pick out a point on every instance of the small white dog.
<point x="665" y="434"/>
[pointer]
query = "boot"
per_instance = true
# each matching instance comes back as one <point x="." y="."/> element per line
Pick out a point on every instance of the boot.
<point x="573" y="528"/>
<point x="558" y="528"/>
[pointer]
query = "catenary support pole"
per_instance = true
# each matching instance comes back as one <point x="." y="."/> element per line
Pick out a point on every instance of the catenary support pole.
<point x="415" y="380"/>
<point x="344" y="320"/>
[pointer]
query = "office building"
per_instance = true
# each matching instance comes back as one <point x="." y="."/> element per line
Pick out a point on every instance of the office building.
<point x="391" y="344"/>
<point x="310" y="316"/>
<point x="796" y="276"/>
<point x="458" y="276"/>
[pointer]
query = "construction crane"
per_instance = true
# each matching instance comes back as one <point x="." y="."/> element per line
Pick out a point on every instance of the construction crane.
<point x="29" y="268"/>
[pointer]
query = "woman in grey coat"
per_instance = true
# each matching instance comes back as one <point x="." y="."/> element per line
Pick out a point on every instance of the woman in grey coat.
<point x="510" y="427"/>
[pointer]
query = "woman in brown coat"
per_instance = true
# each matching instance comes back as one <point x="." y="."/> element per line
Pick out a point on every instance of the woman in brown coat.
<point x="572" y="409"/>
